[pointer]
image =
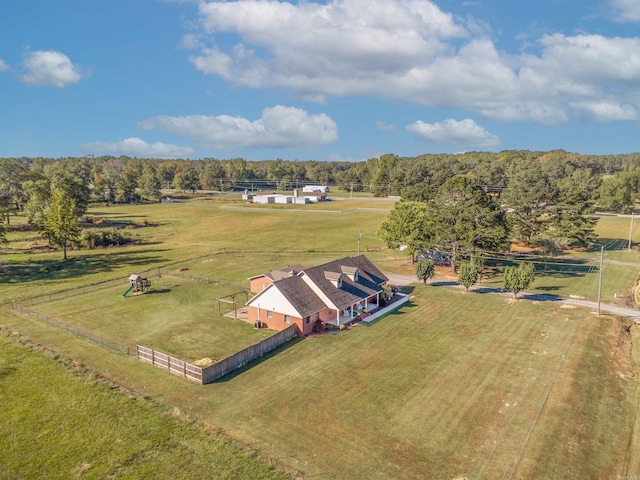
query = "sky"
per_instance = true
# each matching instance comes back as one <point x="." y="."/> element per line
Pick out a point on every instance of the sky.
<point x="342" y="80"/>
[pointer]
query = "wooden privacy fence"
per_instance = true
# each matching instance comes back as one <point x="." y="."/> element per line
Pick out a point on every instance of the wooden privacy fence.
<point x="219" y="369"/>
<point x="238" y="359"/>
<point x="167" y="362"/>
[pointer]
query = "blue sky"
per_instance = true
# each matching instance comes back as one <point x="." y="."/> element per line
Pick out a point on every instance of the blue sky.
<point x="340" y="80"/>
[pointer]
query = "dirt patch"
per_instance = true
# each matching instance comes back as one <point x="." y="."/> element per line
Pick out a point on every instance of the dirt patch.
<point x="204" y="362"/>
<point x="182" y="269"/>
<point x="241" y="314"/>
<point x="622" y="349"/>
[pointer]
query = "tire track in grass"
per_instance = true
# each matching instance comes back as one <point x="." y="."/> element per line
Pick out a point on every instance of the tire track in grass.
<point x="499" y="436"/>
<point x="472" y="382"/>
<point x="493" y="441"/>
<point x="510" y="471"/>
<point x="505" y="425"/>
<point x="481" y="355"/>
<point x="529" y="393"/>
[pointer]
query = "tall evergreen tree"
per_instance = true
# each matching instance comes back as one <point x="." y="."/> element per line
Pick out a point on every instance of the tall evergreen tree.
<point x="463" y="219"/>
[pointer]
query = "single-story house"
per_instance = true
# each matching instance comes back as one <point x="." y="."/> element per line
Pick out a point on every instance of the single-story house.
<point x="335" y="293"/>
<point x="315" y="197"/>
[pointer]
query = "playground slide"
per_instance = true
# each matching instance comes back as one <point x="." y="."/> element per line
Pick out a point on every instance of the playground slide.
<point x="124" y="295"/>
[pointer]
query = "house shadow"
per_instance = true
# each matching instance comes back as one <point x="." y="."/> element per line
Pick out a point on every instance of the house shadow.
<point x="239" y="371"/>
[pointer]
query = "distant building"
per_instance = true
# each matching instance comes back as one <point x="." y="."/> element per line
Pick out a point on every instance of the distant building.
<point x="279" y="198"/>
<point x="315" y="188"/>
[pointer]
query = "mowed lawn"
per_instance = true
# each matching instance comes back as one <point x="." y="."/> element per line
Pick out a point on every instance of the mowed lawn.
<point x="456" y="385"/>
<point x="58" y="423"/>
<point x="189" y="229"/>
<point x="177" y="316"/>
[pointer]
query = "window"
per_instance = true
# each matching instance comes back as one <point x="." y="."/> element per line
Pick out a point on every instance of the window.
<point x="307" y="320"/>
<point x="269" y="314"/>
<point x="355" y="276"/>
<point x="287" y="319"/>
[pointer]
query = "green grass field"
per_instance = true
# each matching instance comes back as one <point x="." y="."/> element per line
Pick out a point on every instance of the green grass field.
<point x="454" y="385"/>
<point x="59" y="423"/>
<point x="177" y="316"/>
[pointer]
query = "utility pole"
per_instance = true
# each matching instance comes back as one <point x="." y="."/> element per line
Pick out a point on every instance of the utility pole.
<point x="600" y="277"/>
<point x="351" y="195"/>
<point x="359" y="237"/>
<point x="631" y="229"/>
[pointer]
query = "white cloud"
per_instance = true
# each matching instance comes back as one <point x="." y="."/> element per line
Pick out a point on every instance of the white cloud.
<point x="4" y="66"/>
<point x="464" y="133"/>
<point x="604" y="111"/>
<point x="136" y="147"/>
<point x="281" y="127"/>
<point x="413" y="51"/>
<point x="50" y="68"/>
<point x="385" y="127"/>
<point x="626" y="10"/>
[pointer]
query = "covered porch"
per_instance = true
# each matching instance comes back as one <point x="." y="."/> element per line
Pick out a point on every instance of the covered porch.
<point x="373" y="312"/>
<point x="355" y="311"/>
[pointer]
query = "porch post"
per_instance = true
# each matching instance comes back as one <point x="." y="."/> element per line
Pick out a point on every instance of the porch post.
<point x="351" y="313"/>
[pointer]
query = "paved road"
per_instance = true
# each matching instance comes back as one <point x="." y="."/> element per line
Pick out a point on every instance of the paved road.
<point x="402" y="280"/>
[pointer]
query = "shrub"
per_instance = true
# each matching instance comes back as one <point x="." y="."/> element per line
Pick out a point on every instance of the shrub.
<point x="105" y="238"/>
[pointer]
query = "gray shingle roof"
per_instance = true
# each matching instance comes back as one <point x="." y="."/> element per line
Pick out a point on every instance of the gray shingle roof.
<point x="300" y="295"/>
<point x="369" y="282"/>
<point x="305" y="300"/>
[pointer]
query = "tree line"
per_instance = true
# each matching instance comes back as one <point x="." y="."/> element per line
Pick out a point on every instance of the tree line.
<point x="545" y="195"/>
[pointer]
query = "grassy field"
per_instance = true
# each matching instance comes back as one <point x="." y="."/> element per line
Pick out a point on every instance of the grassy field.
<point x="178" y="317"/>
<point x="60" y="423"/>
<point x="454" y="385"/>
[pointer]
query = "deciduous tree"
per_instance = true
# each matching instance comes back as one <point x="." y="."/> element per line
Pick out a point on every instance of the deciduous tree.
<point x="404" y="227"/>
<point x="61" y="223"/>
<point x="469" y="273"/>
<point x="425" y="269"/>
<point x="518" y="278"/>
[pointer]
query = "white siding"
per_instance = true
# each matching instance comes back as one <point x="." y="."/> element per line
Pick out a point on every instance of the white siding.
<point x="272" y="299"/>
